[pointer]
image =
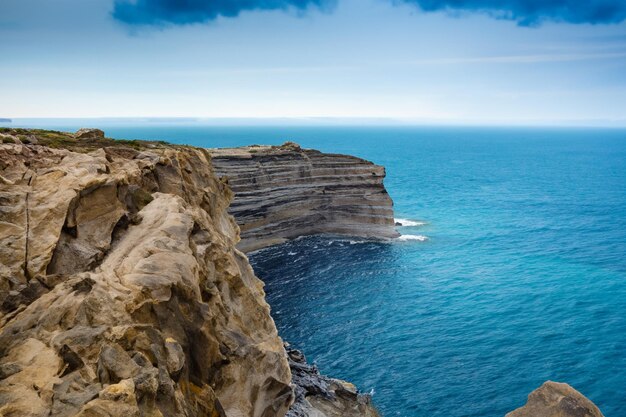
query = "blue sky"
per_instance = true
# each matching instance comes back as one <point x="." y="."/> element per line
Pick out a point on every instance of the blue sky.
<point x="422" y="61"/>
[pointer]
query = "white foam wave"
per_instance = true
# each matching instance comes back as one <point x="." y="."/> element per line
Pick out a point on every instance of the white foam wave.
<point x="408" y="223"/>
<point x="412" y="237"/>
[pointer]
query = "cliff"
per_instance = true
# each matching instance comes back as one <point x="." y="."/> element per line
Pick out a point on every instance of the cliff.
<point x="122" y="292"/>
<point x="283" y="192"/>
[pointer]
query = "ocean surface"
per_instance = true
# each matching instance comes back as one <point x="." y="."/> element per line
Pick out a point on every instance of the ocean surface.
<point x="513" y="271"/>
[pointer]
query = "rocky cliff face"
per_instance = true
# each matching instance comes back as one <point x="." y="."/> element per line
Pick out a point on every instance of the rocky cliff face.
<point x="283" y="192"/>
<point x="122" y="292"/>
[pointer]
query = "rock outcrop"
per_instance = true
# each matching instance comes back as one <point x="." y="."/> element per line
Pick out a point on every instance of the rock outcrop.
<point x="121" y="290"/>
<point x="283" y="192"/>
<point x="320" y="396"/>
<point x="554" y="399"/>
<point x="87" y="133"/>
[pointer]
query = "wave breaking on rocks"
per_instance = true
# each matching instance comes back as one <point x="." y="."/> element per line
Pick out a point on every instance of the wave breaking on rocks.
<point x="122" y="290"/>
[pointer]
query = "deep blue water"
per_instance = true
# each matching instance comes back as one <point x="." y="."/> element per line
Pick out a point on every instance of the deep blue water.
<point x="522" y="278"/>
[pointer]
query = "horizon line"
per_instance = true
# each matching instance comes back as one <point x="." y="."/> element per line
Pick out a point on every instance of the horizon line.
<point x="338" y="121"/>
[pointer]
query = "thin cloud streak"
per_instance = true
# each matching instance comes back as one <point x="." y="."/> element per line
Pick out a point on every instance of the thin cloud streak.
<point x="521" y="59"/>
<point x="266" y="70"/>
<point x="510" y="59"/>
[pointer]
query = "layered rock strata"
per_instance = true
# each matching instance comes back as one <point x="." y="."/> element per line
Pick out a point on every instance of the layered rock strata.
<point x="283" y="192"/>
<point x="121" y="290"/>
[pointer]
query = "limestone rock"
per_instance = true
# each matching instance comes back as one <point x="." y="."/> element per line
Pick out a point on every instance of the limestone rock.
<point x="283" y="192"/>
<point x="554" y="399"/>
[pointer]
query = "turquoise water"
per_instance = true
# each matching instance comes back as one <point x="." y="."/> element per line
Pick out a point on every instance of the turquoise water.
<point x="522" y="278"/>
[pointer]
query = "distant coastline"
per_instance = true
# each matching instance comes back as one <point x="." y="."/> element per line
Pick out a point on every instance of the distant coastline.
<point x="5" y="120"/>
<point x="74" y="123"/>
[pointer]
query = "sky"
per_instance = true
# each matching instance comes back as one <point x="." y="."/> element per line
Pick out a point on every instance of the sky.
<point x="413" y="61"/>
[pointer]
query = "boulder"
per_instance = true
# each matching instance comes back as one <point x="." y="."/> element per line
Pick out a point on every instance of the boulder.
<point x="555" y="399"/>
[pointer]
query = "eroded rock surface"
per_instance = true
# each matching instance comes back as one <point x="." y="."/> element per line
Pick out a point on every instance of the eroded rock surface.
<point x="283" y="192"/>
<point x="122" y="293"/>
<point x="554" y="399"/>
<point x="321" y="396"/>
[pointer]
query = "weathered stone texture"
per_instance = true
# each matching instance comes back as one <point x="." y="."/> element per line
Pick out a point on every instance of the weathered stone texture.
<point x="283" y="192"/>
<point x="122" y="293"/>
<point x="320" y="396"/>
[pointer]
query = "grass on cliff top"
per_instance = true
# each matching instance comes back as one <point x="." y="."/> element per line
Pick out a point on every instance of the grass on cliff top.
<point x="65" y="140"/>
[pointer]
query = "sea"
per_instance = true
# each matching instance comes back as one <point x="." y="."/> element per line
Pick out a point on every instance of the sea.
<point x="511" y="269"/>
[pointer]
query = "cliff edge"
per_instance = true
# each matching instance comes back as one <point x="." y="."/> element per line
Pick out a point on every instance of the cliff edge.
<point x="121" y="290"/>
<point x="284" y="192"/>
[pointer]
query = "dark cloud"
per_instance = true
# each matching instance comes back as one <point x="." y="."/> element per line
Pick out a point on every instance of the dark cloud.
<point x="533" y="12"/>
<point x="524" y="12"/>
<point x="179" y="12"/>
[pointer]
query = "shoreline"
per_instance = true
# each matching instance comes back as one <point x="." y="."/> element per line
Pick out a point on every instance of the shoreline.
<point x="126" y="283"/>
